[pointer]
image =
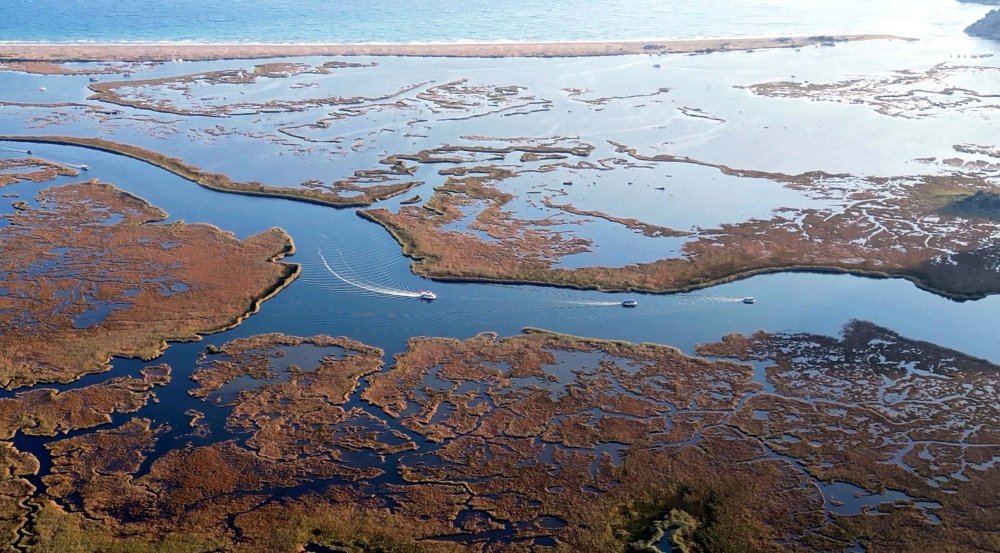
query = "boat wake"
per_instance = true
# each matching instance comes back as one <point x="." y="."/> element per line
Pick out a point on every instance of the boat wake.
<point x="13" y="148"/>
<point x="595" y="303"/>
<point x="370" y="286"/>
<point x="691" y="301"/>
<point x="715" y="299"/>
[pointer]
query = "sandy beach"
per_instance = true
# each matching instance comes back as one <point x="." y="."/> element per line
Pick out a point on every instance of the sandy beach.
<point x="205" y="51"/>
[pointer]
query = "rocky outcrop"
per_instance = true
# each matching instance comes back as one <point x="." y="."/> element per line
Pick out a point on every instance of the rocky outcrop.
<point x="987" y="27"/>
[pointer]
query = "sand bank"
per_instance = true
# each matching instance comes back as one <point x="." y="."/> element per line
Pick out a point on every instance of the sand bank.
<point x="166" y="52"/>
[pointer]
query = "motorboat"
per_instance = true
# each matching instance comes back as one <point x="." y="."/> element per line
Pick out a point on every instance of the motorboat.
<point x="84" y="168"/>
<point x="630" y="303"/>
<point x="427" y="295"/>
<point x="749" y="300"/>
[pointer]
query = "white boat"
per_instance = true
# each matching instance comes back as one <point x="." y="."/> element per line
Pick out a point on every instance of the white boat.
<point x="427" y="295"/>
<point x="630" y="303"/>
<point x="42" y="88"/>
<point x="84" y="168"/>
<point x="749" y="300"/>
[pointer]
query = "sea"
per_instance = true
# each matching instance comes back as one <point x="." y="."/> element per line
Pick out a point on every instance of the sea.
<point x="437" y="21"/>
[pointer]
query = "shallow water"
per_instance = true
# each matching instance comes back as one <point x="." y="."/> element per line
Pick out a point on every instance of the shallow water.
<point x="693" y="106"/>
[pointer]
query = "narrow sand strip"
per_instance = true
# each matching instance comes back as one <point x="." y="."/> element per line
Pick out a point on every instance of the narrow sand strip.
<point x="187" y="51"/>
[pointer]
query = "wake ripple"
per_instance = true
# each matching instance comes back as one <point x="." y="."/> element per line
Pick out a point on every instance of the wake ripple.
<point x="12" y="147"/>
<point x="369" y="286"/>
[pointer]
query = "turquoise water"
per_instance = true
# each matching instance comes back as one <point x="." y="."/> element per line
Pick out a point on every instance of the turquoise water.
<point x="470" y="20"/>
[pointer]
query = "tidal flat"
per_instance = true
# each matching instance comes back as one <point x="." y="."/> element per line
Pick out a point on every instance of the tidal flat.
<point x="214" y="333"/>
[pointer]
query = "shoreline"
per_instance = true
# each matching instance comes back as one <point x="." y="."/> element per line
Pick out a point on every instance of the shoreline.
<point x="410" y="250"/>
<point x="81" y="52"/>
<point x="218" y="182"/>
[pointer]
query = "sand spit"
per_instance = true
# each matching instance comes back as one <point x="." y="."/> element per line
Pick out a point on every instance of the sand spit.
<point x="168" y="52"/>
